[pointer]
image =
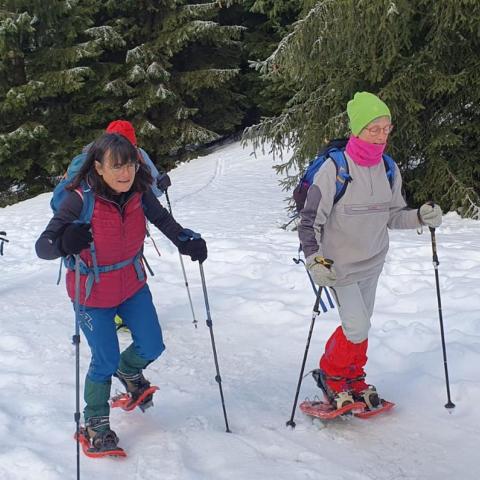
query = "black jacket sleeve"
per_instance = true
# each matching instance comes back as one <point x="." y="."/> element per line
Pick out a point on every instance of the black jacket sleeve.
<point x="48" y="245"/>
<point x="161" y="218"/>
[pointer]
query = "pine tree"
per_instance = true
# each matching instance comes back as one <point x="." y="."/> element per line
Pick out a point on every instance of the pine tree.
<point x="266" y="22"/>
<point x="170" y="85"/>
<point x="70" y="67"/>
<point x="420" y="56"/>
<point x="43" y="53"/>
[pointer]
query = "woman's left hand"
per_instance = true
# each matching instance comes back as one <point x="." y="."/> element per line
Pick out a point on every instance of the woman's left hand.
<point x="430" y="214"/>
<point x="196" y="248"/>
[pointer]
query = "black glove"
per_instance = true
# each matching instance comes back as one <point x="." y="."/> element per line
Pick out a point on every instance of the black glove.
<point x="76" y="237"/>
<point x="196" y="248"/>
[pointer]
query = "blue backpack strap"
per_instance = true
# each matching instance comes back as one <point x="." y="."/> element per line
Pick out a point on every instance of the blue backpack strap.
<point x="88" y="197"/>
<point x="343" y="173"/>
<point x="88" y="205"/>
<point x="390" y="164"/>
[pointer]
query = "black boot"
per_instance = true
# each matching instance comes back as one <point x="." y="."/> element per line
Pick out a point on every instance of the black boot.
<point x="102" y="439"/>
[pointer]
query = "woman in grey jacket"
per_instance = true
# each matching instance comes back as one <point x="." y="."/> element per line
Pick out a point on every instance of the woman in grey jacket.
<point x="353" y="232"/>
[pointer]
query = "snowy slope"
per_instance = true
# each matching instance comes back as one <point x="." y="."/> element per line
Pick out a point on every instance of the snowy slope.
<point x="261" y="308"/>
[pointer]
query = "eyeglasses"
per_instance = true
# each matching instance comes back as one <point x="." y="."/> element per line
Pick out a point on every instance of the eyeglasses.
<point x="130" y="166"/>
<point x="376" y="129"/>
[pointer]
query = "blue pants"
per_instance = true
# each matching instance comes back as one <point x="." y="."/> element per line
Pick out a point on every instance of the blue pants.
<point x="98" y="325"/>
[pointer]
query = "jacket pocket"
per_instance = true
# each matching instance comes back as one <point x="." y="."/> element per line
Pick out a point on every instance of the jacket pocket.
<point x="366" y="209"/>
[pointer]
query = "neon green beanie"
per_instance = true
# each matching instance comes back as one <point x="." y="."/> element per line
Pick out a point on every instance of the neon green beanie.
<point x="364" y="108"/>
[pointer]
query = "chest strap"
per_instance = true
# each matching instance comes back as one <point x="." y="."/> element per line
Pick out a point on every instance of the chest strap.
<point x="93" y="273"/>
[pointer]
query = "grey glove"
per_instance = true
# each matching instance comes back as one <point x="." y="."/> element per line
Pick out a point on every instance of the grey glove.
<point x="321" y="274"/>
<point x="430" y="215"/>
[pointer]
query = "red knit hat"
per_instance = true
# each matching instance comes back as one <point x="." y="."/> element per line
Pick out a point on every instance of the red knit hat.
<point x="123" y="127"/>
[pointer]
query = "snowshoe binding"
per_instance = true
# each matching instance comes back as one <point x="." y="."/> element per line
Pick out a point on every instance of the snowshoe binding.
<point x="139" y="392"/>
<point x="363" y="392"/>
<point x="98" y="440"/>
<point x="368" y="394"/>
<point x="335" y="389"/>
<point x="338" y="398"/>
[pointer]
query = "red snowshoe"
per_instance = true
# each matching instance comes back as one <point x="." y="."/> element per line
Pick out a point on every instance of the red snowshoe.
<point x="128" y="401"/>
<point x="327" y="411"/>
<point x="384" y="406"/>
<point x="139" y="392"/>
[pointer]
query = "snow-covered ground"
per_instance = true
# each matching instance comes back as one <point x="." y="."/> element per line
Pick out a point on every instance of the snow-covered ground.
<point x="261" y="309"/>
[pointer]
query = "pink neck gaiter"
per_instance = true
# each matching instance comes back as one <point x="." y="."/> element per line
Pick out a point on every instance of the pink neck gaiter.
<point x="364" y="153"/>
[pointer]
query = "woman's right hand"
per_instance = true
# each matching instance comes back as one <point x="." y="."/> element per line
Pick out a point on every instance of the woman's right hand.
<point x="321" y="270"/>
<point x="76" y="237"/>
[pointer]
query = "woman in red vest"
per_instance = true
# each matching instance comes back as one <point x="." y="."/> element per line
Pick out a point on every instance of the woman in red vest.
<point x="113" y="279"/>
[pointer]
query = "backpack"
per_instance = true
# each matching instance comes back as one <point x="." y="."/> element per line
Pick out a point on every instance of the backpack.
<point x="60" y="193"/>
<point x="334" y="151"/>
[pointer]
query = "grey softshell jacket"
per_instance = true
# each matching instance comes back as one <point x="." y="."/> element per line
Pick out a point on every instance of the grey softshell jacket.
<point x="354" y="231"/>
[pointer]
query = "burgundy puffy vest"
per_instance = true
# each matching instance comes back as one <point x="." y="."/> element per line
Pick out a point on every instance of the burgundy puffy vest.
<point x="117" y="235"/>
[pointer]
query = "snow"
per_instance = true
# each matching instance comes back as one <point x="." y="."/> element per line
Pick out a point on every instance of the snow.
<point x="261" y="310"/>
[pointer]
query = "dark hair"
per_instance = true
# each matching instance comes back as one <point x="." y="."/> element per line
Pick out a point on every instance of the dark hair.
<point x="121" y="152"/>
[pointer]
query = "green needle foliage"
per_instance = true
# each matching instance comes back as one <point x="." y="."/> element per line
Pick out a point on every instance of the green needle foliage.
<point x="70" y="67"/>
<point x="45" y="58"/>
<point x="420" y="56"/>
<point x="169" y="76"/>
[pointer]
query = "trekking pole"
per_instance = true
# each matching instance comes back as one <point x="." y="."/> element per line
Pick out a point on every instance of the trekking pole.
<point x="315" y="313"/>
<point x="218" y="379"/>
<point x="315" y="290"/>
<point x="285" y="225"/>
<point x="76" y="342"/>
<point x="195" y="322"/>
<point x="436" y="263"/>
<point x="2" y="241"/>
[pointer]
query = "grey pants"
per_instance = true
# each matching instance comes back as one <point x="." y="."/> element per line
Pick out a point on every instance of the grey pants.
<point x="355" y="305"/>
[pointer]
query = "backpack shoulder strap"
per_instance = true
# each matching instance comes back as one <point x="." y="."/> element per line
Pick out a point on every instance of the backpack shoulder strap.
<point x="88" y="197"/>
<point x="390" y="164"/>
<point x="88" y="205"/>
<point x="343" y="174"/>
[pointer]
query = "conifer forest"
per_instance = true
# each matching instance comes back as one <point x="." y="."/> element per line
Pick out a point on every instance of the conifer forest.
<point x="192" y="73"/>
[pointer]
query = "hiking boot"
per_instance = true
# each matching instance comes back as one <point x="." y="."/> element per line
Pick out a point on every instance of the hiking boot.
<point x="335" y="389"/>
<point x="135" y="384"/>
<point x="362" y="392"/>
<point x="100" y="436"/>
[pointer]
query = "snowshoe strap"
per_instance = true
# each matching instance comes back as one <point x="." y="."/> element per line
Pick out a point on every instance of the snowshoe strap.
<point x="334" y="378"/>
<point x="98" y="423"/>
<point x="131" y="377"/>
<point x="356" y="379"/>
